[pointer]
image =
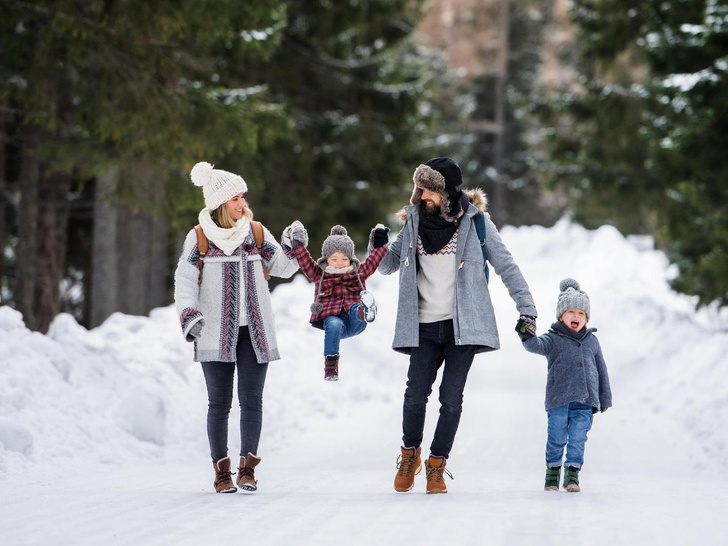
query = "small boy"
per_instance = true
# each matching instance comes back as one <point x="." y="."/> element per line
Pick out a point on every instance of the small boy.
<point x="577" y="385"/>
<point x="342" y="306"/>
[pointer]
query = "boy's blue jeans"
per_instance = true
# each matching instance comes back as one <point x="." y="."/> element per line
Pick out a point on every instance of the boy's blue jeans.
<point x="436" y="345"/>
<point x="338" y="327"/>
<point x="568" y="427"/>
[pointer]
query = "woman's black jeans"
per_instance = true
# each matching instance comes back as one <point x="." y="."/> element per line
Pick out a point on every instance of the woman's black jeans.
<point x="219" y="377"/>
<point x="437" y="345"/>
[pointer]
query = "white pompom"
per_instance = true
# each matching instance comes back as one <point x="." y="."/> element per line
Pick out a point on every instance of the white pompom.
<point x="201" y="173"/>
<point x="568" y="283"/>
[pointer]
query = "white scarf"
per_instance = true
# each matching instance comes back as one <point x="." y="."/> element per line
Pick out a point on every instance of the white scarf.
<point x="226" y="239"/>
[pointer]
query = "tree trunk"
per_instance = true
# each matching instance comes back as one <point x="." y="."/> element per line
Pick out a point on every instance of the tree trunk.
<point x="134" y="254"/>
<point x="104" y="287"/>
<point x="500" y="196"/>
<point x="4" y="202"/>
<point x="26" y="258"/>
<point x="51" y="250"/>
<point x="158" y="294"/>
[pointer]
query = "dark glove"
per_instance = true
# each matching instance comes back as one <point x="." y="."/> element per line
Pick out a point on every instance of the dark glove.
<point x="380" y="236"/>
<point x="526" y="327"/>
<point x="603" y="409"/>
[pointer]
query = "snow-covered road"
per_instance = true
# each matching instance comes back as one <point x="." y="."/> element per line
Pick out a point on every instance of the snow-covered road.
<point x="104" y="443"/>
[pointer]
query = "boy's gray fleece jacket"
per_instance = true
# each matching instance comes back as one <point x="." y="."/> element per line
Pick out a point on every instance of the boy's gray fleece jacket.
<point x="576" y="369"/>
<point x="473" y="314"/>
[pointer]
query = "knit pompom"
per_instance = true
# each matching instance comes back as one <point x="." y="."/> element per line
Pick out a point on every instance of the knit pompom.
<point x="316" y="308"/>
<point x="201" y="174"/>
<point x="338" y="230"/>
<point x="569" y="283"/>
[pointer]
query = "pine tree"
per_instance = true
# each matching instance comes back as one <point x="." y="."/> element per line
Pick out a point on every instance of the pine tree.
<point x="647" y="153"/>
<point x="86" y="86"/>
<point x="357" y="89"/>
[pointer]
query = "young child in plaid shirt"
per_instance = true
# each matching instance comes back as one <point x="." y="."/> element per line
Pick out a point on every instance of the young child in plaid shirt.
<point x="342" y="306"/>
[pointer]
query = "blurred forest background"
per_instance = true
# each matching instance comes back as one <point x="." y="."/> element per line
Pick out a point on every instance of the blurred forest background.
<point x="611" y="111"/>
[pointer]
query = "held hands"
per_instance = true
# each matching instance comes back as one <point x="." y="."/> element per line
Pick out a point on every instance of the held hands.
<point x="526" y="327"/>
<point x="379" y="236"/>
<point x="294" y="235"/>
<point x="299" y="235"/>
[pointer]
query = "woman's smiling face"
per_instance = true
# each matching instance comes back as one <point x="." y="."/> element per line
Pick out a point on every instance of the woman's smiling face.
<point x="235" y="206"/>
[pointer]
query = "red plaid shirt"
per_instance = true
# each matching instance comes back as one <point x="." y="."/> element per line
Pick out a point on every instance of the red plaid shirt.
<point x="337" y="293"/>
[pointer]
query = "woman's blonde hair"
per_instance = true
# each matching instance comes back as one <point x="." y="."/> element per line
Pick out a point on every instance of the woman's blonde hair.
<point x="222" y="217"/>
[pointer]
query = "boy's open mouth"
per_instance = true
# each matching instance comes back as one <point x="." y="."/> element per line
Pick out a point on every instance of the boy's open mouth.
<point x="574" y="325"/>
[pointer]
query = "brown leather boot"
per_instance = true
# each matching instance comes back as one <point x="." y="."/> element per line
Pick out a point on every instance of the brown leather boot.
<point x="331" y="368"/>
<point x="223" y="476"/>
<point x="246" y="473"/>
<point x="435" y="468"/>
<point x="409" y="465"/>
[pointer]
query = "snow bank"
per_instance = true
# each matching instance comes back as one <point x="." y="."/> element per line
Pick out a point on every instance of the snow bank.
<point x="128" y="390"/>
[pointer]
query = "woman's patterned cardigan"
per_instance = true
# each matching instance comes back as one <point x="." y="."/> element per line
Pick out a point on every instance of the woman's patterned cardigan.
<point x="217" y="300"/>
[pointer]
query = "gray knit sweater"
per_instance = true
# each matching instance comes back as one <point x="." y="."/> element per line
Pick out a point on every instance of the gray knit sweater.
<point x="576" y="369"/>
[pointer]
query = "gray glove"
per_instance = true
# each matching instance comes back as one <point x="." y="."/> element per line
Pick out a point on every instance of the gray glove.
<point x="299" y="235"/>
<point x="196" y="330"/>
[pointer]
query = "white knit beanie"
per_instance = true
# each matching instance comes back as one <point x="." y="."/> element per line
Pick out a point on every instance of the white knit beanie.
<point x="571" y="297"/>
<point x="218" y="186"/>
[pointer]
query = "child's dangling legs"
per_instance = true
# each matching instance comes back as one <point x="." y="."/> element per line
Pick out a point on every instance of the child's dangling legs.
<point x="336" y="328"/>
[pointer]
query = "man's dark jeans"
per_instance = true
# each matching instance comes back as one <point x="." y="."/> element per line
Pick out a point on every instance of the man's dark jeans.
<point x="437" y="345"/>
<point x="219" y="377"/>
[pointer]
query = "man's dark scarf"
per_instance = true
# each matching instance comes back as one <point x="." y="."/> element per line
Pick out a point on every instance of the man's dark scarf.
<point x="434" y="230"/>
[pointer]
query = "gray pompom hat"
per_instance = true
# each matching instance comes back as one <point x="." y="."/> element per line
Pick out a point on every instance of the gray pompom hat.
<point x="571" y="297"/>
<point x="339" y="240"/>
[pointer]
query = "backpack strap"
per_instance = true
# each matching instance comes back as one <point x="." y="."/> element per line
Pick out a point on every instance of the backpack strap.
<point x="480" y="229"/>
<point x="202" y="246"/>
<point x="259" y="236"/>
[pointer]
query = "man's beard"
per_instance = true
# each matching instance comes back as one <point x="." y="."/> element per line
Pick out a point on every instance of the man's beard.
<point x="430" y="207"/>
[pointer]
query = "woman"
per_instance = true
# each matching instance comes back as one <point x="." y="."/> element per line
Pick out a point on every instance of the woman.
<point x="225" y="309"/>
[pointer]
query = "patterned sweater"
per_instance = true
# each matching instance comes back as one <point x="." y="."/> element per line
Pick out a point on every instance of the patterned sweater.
<point x="218" y="300"/>
<point x="337" y="293"/>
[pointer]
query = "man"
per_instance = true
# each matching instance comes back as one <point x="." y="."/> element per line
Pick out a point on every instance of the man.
<point x="444" y="312"/>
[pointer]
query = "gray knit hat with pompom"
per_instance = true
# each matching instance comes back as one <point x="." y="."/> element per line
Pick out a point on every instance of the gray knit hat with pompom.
<point x="338" y="241"/>
<point x="571" y="297"/>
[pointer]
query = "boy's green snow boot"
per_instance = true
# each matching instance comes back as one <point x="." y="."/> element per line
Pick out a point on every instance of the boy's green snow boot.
<point x="553" y="473"/>
<point x="571" y="479"/>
